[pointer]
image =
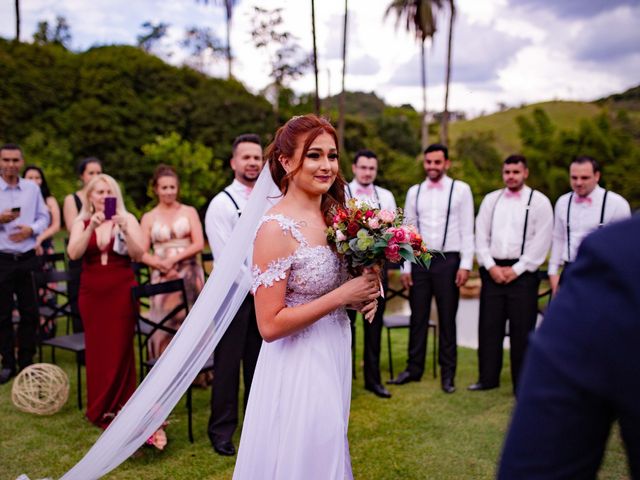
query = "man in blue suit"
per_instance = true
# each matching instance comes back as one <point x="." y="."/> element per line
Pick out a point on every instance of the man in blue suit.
<point x="582" y="371"/>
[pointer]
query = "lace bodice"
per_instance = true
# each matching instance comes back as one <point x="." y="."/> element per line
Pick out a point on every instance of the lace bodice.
<point x="313" y="270"/>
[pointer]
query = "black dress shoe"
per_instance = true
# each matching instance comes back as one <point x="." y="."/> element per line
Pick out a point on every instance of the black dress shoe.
<point x="6" y="374"/>
<point x="225" y="448"/>
<point x="476" y="387"/>
<point x="402" y="378"/>
<point x="378" y="390"/>
<point x="448" y="386"/>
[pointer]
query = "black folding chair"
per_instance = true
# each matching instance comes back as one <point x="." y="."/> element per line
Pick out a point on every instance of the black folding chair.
<point x="142" y="272"/>
<point x="145" y="328"/>
<point x="207" y="263"/>
<point x="52" y="282"/>
<point x="396" y="321"/>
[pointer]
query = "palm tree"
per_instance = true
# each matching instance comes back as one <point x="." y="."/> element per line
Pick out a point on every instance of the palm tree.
<point x="444" y="130"/>
<point x="17" y="20"/>
<point x="228" y="6"/>
<point x="419" y="18"/>
<point x="344" y="73"/>
<point x="315" y="55"/>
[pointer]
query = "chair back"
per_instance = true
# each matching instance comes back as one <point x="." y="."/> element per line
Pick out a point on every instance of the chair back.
<point x="145" y="326"/>
<point x="52" y="299"/>
<point x="142" y="272"/>
<point x="207" y="263"/>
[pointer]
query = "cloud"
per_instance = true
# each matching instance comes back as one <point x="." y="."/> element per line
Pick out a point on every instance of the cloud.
<point x="479" y="52"/>
<point x="364" y="65"/>
<point x="573" y="8"/>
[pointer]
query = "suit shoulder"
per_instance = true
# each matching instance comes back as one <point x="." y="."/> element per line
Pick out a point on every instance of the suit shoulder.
<point x="616" y="240"/>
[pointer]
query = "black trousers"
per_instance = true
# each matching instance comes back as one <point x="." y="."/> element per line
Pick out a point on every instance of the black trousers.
<point x="15" y="278"/>
<point x="517" y="302"/>
<point x="439" y="281"/>
<point x="239" y="344"/>
<point x="372" y="335"/>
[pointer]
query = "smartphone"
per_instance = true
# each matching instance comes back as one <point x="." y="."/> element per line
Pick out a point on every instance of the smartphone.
<point x="109" y="207"/>
<point x="15" y="209"/>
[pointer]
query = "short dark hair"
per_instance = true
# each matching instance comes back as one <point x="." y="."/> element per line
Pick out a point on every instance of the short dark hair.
<point x="82" y="164"/>
<point x="438" y="147"/>
<point x="245" y="138"/>
<point x="11" y="146"/>
<point x="516" y="158"/>
<point x="582" y="159"/>
<point x="363" y="153"/>
<point x="44" y="187"/>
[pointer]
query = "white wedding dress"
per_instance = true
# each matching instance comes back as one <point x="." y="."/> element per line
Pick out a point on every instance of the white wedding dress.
<point x="297" y="416"/>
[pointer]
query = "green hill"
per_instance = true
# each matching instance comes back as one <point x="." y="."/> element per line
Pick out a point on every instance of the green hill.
<point x="503" y="125"/>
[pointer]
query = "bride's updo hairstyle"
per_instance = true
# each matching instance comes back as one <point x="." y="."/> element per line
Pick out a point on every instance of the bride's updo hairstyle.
<point x="307" y="127"/>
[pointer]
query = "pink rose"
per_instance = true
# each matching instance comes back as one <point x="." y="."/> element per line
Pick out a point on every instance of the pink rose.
<point x="340" y="236"/>
<point x="374" y="223"/>
<point x="387" y="216"/>
<point x="336" y="219"/>
<point x="392" y="253"/>
<point x="400" y="235"/>
<point x="368" y="214"/>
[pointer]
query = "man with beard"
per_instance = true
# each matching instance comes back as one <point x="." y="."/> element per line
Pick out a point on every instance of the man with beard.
<point x="442" y="210"/>
<point x="586" y="208"/>
<point x="365" y="170"/>
<point x="513" y="236"/>
<point x="241" y="342"/>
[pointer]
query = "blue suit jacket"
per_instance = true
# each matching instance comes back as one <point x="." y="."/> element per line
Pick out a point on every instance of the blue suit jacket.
<point x="582" y="370"/>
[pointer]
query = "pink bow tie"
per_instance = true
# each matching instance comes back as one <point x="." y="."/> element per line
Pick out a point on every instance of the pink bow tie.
<point x="511" y="194"/>
<point x="248" y="190"/>
<point x="434" y="185"/>
<point x="586" y="200"/>
<point x="364" y="191"/>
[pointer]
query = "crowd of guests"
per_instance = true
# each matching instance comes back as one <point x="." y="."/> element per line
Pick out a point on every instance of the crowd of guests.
<point x="511" y="237"/>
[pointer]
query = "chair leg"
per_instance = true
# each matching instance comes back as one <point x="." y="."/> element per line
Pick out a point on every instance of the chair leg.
<point x="189" y="414"/>
<point x="390" y="355"/>
<point x="79" y="382"/>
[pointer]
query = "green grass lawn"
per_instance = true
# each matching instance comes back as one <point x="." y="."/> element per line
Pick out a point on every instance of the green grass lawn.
<point x="420" y="433"/>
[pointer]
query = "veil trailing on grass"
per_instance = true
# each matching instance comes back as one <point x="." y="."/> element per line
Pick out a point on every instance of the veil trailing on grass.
<point x="189" y="349"/>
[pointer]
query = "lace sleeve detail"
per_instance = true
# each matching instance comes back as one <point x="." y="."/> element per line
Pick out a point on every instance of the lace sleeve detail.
<point x="276" y="271"/>
<point x="288" y="225"/>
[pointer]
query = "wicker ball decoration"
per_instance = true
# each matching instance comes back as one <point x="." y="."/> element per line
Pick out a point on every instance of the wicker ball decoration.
<point x="41" y="388"/>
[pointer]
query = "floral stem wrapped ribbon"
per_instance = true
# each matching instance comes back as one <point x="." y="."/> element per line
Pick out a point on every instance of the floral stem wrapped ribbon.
<point x="368" y="236"/>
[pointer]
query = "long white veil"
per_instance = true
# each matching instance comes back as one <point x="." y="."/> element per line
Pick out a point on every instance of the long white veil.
<point x="194" y="343"/>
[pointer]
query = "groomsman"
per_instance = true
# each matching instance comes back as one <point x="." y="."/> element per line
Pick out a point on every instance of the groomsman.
<point x="365" y="170"/>
<point x="442" y="209"/>
<point x="513" y="236"/>
<point x="586" y="208"/>
<point x="23" y="216"/>
<point x="241" y="342"/>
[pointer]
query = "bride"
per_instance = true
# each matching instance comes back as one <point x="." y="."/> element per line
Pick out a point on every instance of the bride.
<point x="298" y="411"/>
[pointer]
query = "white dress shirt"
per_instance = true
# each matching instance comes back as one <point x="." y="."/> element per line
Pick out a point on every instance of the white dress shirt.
<point x="584" y="217"/>
<point x="222" y="215"/>
<point x="432" y="212"/>
<point x="500" y="227"/>
<point x="373" y="195"/>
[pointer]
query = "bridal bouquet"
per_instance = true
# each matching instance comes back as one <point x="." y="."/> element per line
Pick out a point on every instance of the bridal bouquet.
<point x="368" y="236"/>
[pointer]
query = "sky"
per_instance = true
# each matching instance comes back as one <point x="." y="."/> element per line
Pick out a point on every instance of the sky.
<point x="505" y="51"/>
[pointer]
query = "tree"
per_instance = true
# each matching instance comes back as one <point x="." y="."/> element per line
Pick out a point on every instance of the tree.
<point x="228" y="8"/>
<point x="288" y="61"/>
<point x="17" y="8"/>
<point x="315" y="55"/>
<point x="444" y="131"/>
<point x="203" y="45"/>
<point x="58" y="35"/>
<point x="344" y="73"/>
<point x="153" y="33"/>
<point x="419" y="18"/>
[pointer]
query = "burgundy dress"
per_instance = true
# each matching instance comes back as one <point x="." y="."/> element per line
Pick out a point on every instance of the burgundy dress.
<point x="108" y="315"/>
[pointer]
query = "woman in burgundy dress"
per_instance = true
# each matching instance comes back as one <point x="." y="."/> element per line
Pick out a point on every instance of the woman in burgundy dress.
<point x="106" y="246"/>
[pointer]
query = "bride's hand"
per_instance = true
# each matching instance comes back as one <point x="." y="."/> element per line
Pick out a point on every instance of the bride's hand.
<point x="369" y="310"/>
<point x="362" y="289"/>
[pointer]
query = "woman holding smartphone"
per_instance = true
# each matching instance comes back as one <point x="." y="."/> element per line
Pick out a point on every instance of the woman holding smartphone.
<point x="105" y="236"/>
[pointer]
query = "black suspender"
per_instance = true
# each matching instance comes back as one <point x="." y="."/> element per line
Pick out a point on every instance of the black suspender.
<point x="526" y="218"/>
<point x="235" y="204"/>
<point x="349" y="190"/>
<point x="604" y="203"/>
<point x="446" y="223"/>
<point x="526" y="221"/>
